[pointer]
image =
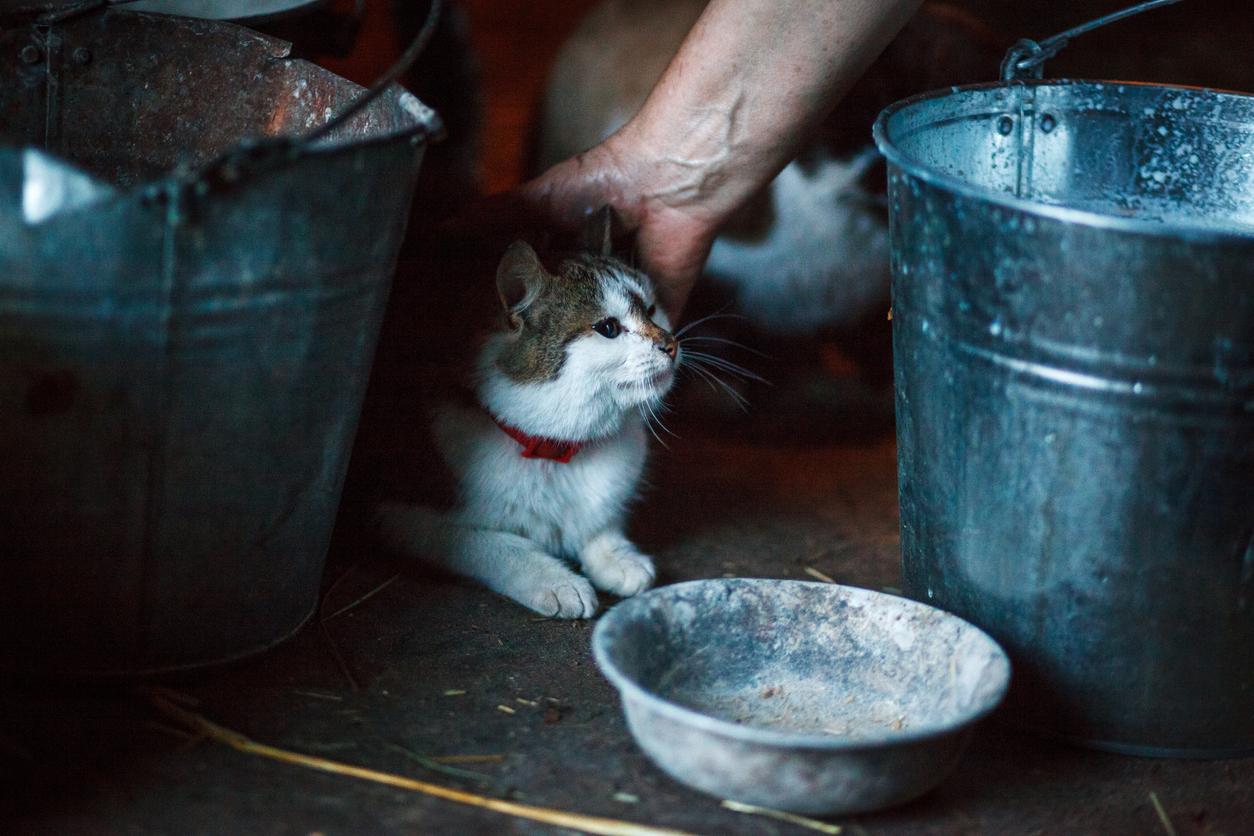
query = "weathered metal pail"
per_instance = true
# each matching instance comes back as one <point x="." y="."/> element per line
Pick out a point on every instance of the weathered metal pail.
<point x="185" y="333"/>
<point x="1073" y="325"/>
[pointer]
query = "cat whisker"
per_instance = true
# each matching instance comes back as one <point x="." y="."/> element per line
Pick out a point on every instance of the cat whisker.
<point x="723" y="364"/>
<point x="740" y="400"/>
<point x="649" y="426"/>
<point x="732" y="374"/>
<point x="713" y="316"/>
<point x="700" y="376"/>
<point x="653" y="411"/>
<point x="646" y="414"/>
<point x="714" y="380"/>
<point x="724" y="341"/>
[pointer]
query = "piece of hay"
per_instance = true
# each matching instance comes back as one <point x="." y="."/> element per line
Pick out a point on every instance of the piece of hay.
<point x="364" y="598"/>
<point x="435" y="766"/>
<point x="174" y="696"/>
<point x="780" y="815"/>
<point x="468" y="758"/>
<point x="558" y="818"/>
<point x="815" y="573"/>
<point x="1162" y="814"/>
<point x="332" y="648"/>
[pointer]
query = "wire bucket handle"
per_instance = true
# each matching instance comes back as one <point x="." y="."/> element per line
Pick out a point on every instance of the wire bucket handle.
<point x="1026" y="59"/>
<point x="252" y="155"/>
<point x="249" y="155"/>
<point x="403" y="63"/>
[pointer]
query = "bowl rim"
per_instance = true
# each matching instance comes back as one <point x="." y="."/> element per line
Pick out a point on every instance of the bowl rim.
<point x="1203" y="231"/>
<point x="628" y="688"/>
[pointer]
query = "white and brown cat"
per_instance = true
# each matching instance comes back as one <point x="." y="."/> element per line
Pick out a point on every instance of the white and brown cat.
<point x="548" y="449"/>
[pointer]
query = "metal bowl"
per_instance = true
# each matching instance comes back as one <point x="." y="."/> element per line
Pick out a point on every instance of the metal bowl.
<point x="813" y="698"/>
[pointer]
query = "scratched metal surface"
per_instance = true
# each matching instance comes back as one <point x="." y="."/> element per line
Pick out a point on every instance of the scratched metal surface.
<point x="807" y="697"/>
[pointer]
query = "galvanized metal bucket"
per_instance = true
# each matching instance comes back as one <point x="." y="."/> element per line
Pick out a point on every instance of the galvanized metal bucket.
<point x="186" y="330"/>
<point x="1073" y="326"/>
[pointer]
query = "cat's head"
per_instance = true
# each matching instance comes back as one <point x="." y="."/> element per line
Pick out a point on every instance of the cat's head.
<point x="582" y="345"/>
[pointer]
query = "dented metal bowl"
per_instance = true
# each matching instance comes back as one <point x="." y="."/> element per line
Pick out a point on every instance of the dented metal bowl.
<point x="813" y="698"/>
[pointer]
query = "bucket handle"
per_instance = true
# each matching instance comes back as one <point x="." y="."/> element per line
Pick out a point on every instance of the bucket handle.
<point x="403" y="63"/>
<point x="1026" y="59"/>
<point x="249" y="156"/>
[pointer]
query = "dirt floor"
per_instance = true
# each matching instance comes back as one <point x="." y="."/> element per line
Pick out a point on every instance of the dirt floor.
<point x="432" y="661"/>
<point x="408" y="666"/>
<point x="411" y="666"/>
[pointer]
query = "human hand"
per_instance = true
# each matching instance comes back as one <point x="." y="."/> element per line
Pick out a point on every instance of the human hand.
<point x="751" y="80"/>
<point x="673" y="233"/>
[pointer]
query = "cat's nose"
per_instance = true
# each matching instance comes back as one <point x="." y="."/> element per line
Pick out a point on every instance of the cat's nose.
<point x="669" y="346"/>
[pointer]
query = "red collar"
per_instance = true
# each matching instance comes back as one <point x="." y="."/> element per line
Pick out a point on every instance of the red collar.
<point x="535" y="447"/>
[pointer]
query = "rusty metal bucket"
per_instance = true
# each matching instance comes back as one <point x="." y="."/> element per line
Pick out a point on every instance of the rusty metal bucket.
<point x="186" y="330"/>
<point x="1074" y="351"/>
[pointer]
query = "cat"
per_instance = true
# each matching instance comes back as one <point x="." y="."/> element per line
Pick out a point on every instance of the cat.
<point x="548" y="451"/>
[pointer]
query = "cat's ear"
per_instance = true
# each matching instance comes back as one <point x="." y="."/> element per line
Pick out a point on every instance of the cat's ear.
<point x="519" y="279"/>
<point x="598" y="232"/>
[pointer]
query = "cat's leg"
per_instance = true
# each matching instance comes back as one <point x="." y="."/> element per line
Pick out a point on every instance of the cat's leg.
<point x="614" y="564"/>
<point x="506" y="563"/>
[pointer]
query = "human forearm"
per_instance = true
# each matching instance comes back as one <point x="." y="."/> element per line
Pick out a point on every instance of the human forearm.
<point x="751" y="80"/>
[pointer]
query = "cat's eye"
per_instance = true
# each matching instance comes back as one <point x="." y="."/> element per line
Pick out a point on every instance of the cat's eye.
<point x="651" y="311"/>
<point x="608" y="327"/>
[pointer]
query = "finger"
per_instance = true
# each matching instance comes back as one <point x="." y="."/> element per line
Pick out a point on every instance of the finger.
<point x="569" y="191"/>
<point x="674" y="271"/>
<point x="673" y="247"/>
<point x="674" y="296"/>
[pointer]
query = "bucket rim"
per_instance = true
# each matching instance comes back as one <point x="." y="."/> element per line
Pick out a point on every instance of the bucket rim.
<point x="426" y="128"/>
<point x="1190" y="230"/>
<point x="251" y="155"/>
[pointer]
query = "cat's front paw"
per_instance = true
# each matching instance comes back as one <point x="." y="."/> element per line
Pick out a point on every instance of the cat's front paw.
<point x="613" y="564"/>
<point x="562" y="597"/>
